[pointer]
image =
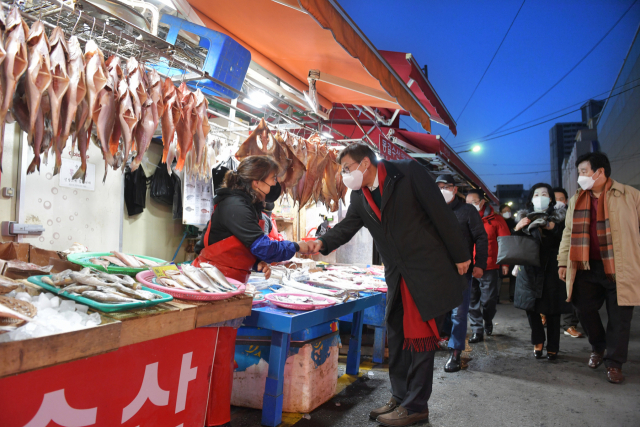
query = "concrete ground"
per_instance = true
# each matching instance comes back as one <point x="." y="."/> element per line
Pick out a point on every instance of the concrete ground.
<point x="503" y="385"/>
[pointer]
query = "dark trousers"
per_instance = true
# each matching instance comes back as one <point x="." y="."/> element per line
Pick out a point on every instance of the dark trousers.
<point x="591" y="289"/>
<point x="537" y="331"/>
<point x="410" y="372"/>
<point x="484" y="297"/>
<point x="512" y="286"/>
<point x="570" y="319"/>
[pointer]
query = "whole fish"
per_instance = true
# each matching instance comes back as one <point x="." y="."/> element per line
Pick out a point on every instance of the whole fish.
<point x="10" y="313"/>
<point x="14" y="65"/>
<point x="200" y="116"/>
<point x="213" y="272"/>
<point x="96" y="72"/>
<point x="127" y="281"/>
<point x="186" y="282"/>
<point x="57" y="90"/>
<point x="171" y="155"/>
<point x="185" y="126"/>
<point x="137" y="86"/>
<point x="101" y="262"/>
<point x="147" y="262"/>
<point x="155" y="94"/>
<point x="142" y="135"/>
<point x="114" y="260"/>
<point x="82" y="136"/>
<point x="77" y="86"/>
<point x="126" y="117"/>
<point x="127" y="259"/>
<point x="201" y="279"/>
<point x="170" y="117"/>
<point x="78" y="289"/>
<point x="170" y="283"/>
<point x="38" y="81"/>
<point x="115" y="72"/>
<point x="87" y="279"/>
<point x="108" y="298"/>
<point x="104" y="116"/>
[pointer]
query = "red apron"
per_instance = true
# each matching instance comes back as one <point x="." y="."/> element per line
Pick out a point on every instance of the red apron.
<point x="418" y="335"/>
<point x="234" y="260"/>
<point x="274" y="234"/>
<point x="231" y="257"/>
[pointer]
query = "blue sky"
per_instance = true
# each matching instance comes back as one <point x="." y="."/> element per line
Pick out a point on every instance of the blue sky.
<point x="457" y="39"/>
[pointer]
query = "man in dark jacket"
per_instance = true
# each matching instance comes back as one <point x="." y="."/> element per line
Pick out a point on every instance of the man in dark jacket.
<point x="476" y="237"/>
<point x="425" y="257"/>
<point x="486" y="290"/>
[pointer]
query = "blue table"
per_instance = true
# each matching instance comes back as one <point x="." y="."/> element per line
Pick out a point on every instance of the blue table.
<point x="283" y="323"/>
<point x="374" y="316"/>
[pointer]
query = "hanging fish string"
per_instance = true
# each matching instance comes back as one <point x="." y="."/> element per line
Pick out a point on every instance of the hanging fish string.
<point x="118" y="108"/>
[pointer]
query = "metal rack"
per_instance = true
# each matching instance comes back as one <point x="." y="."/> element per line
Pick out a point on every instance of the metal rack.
<point x="122" y="38"/>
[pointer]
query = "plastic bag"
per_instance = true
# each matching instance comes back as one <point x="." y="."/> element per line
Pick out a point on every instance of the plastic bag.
<point x="162" y="186"/>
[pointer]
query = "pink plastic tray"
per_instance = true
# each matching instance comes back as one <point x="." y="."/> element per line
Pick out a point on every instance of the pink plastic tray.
<point x="328" y="301"/>
<point x="146" y="277"/>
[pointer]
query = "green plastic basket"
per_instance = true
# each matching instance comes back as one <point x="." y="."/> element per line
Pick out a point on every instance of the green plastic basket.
<point x="83" y="260"/>
<point x="107" y="308"/>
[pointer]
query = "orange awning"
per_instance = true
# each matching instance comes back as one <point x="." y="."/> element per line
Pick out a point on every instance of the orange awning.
<point x="288" y="38"/>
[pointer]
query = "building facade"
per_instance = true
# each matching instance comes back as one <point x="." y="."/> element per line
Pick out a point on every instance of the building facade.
<point x="619" y="122"/>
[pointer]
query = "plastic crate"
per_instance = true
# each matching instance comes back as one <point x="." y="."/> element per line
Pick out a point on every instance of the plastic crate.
<point x="227" y="60"/>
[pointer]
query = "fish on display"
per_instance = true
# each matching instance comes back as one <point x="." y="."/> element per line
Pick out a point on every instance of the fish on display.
<point x="10" y="313"/>
<point x="170" y="118"/>
<point x="129" y="260"/>
<point x="38" y="81"/>
<point x="155" y="93"/>
<point x="184" y="127"/>
<point x="102" y="262"/>
<point x="14" y="65"/>
<point x="96" y="72"/>
<point x="127" y="118"/>
<point x="137" y="86"/>
<point x="165" y="281"/>
<point x="296" y="169"/>
<point x="200" y="116"/>
<point x="147" y="262"/>
<point x="263" y="135"/>
<point x="114" y="260"/>
<point x="77" y="87"/>
<point x="115" y="74"/>
<point x="108" y="298"/>
<point x="57" y="90"/>
<point x="142" y="135"/>
<point x="83" y="124"/>
<point x="213" y="272"/>
<point x="78" y="289"/>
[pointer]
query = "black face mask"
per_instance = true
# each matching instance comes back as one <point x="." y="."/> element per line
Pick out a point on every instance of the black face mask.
<point x="273" y="194"/>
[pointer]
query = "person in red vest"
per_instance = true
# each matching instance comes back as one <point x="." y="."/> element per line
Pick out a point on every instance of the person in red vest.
<point x="235" y="242"/>
<point x="425" y="257"/>
<point x="486" y="290"/>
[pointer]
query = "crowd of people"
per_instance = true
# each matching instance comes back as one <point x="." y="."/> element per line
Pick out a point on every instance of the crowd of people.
<point x="445" y="254"/>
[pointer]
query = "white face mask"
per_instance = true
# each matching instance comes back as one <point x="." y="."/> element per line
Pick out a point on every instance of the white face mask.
<point x="560" y="205"/>
<point x="353" y="180"/>
<point x="506" y="215"/>
<point x="541" y="203"/>
<point x="586" y="182"/>
<point x="448" y="195"/>
<point x="478" y="206"/>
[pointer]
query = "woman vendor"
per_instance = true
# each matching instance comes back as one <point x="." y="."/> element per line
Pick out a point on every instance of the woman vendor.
<point x="235" y="242"/>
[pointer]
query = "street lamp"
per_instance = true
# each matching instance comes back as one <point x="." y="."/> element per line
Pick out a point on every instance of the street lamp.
<point x="475" y="149"/>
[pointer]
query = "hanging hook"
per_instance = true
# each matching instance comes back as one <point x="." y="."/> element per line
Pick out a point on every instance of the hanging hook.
<point x="78" y="20"/>
<point x="119" y="39"/>
<point x="104" y="28"/>
<point x="92" y="27"/>
<point x="60" y="13"/>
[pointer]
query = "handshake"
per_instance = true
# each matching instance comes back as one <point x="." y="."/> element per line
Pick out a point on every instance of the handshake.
<point x="312" y="247"/>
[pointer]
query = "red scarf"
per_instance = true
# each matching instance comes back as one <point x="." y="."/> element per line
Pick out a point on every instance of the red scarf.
<point x="418" y="335"/>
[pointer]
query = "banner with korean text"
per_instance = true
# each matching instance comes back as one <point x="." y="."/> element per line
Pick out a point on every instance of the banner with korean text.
<point x="162" y="382"/>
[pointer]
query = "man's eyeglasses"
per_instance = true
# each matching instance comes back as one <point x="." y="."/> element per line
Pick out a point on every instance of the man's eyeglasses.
<point x="345" y="168"/>
<point x="449" y="187"/>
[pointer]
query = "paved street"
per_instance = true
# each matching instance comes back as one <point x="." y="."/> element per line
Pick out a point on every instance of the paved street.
<point x="502" y="386"/>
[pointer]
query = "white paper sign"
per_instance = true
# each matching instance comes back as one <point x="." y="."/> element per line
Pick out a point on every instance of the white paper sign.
<point x="197" y="201"/>
<point x="69" y="168"/>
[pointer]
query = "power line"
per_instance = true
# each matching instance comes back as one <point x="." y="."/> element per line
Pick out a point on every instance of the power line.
<point x="568" y="72"/>
<point x="538" y="124"/>
<point x="488" y="66"/>
<point x="459" y="144"/>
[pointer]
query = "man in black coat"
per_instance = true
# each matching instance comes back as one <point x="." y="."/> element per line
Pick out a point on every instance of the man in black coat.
<point x="475" y="235"/>
<point x="425" y="257"/>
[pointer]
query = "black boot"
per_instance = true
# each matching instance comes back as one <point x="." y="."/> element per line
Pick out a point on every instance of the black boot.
<point x="453" y="364"/>
<point x="476" y="337"/>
